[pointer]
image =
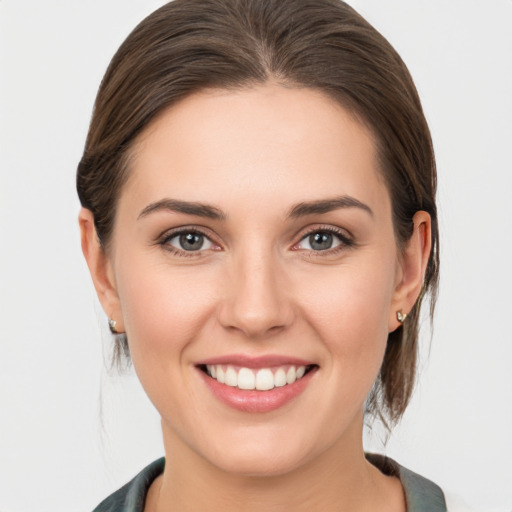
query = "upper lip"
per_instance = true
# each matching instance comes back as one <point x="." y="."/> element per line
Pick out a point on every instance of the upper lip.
<point x="247" y="361"/>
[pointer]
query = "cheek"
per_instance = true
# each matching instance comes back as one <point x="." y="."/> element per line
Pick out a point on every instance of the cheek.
<point x="163" y="308"/>
<point x="349" y="308"/>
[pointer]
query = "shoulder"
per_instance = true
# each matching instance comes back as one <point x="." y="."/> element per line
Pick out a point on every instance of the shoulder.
<point x="421" y="494"/>
<point x="131" y="497"/>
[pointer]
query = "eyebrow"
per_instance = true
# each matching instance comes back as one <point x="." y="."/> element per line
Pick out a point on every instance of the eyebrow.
<point x="187" y="207"/>
<point x="327" y="205"/>
<point x="211" y="212"/>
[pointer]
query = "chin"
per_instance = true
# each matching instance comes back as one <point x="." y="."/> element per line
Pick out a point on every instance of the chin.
<point x="255" y="456"/>
<point x="259" y="465"/>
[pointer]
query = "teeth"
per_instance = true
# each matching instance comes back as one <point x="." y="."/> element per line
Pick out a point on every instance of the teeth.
<point x="280" y="378"/>
<point x="231" y="378"/>
<point x="263" y="379"/>
<point x="246" y="379"/>
<point x="291" y="375"/>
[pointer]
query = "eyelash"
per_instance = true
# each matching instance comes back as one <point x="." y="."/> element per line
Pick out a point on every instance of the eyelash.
<point x="346" y="241"/>
<point x="167" y="237"/>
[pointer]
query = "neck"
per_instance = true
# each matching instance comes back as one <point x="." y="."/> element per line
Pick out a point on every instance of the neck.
<point x="338" y="480"/>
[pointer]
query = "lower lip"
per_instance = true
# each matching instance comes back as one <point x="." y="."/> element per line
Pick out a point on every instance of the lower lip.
<point x="257" y="401"/>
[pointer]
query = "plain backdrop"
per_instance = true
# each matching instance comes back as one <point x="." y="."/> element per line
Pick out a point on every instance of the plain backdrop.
<point x="71" y="432"/>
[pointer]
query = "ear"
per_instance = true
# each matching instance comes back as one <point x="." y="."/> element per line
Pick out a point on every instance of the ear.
<point x="100" y="268"/>
<point x="412" y="267"/>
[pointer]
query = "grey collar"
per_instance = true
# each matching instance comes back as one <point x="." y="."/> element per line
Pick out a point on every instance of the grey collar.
<point x="421" y="495"/>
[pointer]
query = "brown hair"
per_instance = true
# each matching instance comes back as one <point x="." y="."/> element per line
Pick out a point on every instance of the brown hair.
<point x="190" y="45"/>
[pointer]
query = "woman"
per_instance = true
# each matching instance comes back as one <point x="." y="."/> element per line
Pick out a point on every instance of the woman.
<point x="259" y="219"/>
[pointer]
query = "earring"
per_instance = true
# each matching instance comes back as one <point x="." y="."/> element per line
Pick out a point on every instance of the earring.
<point x="112" y="326"/>
<point x="401" y="316"/>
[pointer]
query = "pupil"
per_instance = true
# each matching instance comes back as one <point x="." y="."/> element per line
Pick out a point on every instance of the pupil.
<point x="191" y="241"/>
<point x="320" y="241"/>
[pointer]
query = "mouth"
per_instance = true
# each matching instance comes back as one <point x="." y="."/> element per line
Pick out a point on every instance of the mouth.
<point x="259" y="379"/>
<point x="256" y="385"/>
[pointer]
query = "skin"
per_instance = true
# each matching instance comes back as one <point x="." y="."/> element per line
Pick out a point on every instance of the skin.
<point x="258" y="287"/>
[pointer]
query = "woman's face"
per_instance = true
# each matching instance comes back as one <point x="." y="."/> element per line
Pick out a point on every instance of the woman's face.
<point x="254" y="237"/>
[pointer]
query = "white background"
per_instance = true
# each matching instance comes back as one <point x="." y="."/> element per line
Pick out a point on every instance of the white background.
<point x="70" y="432"/>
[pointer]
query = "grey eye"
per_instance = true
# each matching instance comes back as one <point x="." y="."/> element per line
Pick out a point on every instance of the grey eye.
<point x="190" y="241"/>
<point x="320" y="241"/>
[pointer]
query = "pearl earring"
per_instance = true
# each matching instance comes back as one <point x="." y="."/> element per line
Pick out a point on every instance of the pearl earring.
<point x="401" y="316"/>
<point x="112" y="326"/>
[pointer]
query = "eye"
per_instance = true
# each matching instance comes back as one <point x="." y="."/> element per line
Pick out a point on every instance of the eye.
<point x="189" y="241"/>
<point x="323" y="240"/>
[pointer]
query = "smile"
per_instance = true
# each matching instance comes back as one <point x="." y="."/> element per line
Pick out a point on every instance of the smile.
<point x="256" y="384"/>
<point x="262" y="379"/>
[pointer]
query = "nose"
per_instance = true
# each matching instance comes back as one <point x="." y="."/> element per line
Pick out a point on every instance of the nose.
<point x="256" y="299"/>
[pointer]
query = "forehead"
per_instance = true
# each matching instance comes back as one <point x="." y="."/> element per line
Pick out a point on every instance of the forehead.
<point x="269" y="143"/>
